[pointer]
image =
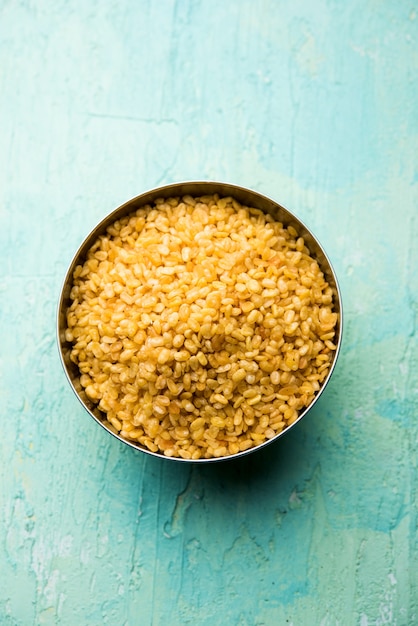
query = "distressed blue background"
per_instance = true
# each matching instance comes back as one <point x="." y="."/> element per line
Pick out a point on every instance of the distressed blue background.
<point x="314" y="104"/>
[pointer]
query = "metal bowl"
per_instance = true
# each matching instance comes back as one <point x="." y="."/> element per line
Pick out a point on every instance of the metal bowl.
<point x="243" y="195"/>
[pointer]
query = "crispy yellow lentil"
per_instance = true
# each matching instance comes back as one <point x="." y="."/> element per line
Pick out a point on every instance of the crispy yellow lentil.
<point x="200" y="327"/>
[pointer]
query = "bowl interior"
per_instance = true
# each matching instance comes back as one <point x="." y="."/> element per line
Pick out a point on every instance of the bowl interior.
<point x="244" y="196"/>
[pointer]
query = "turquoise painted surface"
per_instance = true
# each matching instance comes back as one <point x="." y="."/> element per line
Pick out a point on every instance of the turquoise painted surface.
<point x="313" y="103"/>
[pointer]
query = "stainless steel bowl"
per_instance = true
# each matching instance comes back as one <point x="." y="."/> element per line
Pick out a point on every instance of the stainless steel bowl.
<point x="200" y="188"/>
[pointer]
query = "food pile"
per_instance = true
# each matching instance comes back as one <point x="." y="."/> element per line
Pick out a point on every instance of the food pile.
<point x="200" y="327"/>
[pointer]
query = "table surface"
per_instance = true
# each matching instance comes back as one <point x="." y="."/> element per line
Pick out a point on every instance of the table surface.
<point x="314" y="104"/>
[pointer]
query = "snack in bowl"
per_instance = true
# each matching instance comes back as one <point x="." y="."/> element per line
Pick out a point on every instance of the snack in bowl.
<point x="201" y="327"/>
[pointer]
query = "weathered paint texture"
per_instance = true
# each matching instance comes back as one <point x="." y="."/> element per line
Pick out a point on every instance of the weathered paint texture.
<point x="313" y="103"/>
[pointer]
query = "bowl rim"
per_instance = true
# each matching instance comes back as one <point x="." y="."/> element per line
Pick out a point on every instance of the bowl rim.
<point x="167" y="191"/>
